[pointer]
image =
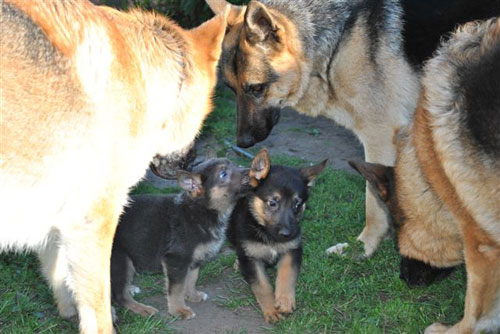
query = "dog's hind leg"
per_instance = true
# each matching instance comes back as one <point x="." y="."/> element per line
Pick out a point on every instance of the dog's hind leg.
<point x="122" y="273"/>
<point x="55" y="269"/>
<point x="286" y="280"/>
<point x="191" y="293"/>
<point x="482" y="300"/>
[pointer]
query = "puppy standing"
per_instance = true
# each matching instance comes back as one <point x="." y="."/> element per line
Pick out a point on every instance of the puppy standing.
<point x="177" y="233"/>
<point x="444" y="192"/>
<point x="88" y="95"/>
<point x="265" y="231"/>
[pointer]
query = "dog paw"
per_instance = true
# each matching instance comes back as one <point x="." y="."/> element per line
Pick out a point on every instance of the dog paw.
<point x="145" y="310"/>
<point x="272" y="316"/>
<point x="436" y="328"/>
<point x="68" y="312"/>
<point x="185" y="313"/>
<point x="285" y="304"/>
<point x="196" y="296"/>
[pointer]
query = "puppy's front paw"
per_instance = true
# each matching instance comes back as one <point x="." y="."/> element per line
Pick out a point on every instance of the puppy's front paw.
<point x="196" y="296"/>
<point x="436" y="328"/>
<point x="272" y="315"/>
<point x="285" y="303"/>
<point x="185" y="313"/>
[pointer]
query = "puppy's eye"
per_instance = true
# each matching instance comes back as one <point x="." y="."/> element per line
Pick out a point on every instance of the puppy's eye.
<point x="256" y="90"/>
<point x="272" y="203"/>
<point x="223" y="174"/>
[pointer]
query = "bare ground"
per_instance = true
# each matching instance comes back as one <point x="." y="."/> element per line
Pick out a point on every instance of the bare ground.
<point x="311" y="139"/>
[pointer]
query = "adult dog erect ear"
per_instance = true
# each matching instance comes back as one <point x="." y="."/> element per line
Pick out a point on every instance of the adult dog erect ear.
<point x="207" y="38"/>
<point x="219" y="7"/>
<point x="191" y="183"/>
<point x="379" y="176"/>
<point x="259" y="23"/>
<point x="311" y="173"/>
<point x="261" y="164"/>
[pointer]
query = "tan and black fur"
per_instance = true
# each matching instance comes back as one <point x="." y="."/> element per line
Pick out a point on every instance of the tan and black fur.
<point x="346" y="60"/>
<point x="444" y="192"/>
<point x="176" y="233"/>
<point x="88" y="95"/>
<point x="265" y="231"/>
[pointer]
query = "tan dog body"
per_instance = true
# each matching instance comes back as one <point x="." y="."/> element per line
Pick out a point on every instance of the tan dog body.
<point x="88" y="95"/>
<point x="319" y="58"/>
<point x="443" y="195"/>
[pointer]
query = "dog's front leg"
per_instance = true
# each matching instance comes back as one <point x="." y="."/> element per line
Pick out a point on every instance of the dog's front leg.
<point x="377" y="226"/>
<point x="88" y="250"/>
<point x="56" y="270"/>
<point x="286" y="280"/>
<point x="255" y="275"/>
<point x="482" y="299"/>
<point x="191" y="293"/>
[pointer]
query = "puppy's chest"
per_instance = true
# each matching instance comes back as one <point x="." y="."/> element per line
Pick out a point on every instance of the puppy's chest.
<point x="216" y="236"/>
<point x="269" y="252"/>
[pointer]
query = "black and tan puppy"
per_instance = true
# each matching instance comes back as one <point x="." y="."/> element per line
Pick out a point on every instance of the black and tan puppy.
<point x="176" y="233"/>
<point x="264" y="229"/>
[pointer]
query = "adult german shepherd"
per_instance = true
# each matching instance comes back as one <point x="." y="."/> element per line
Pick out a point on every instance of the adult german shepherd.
<point x="88" y="95"/>
<point x="345" y="60"/>
<point x="444" y="193"/>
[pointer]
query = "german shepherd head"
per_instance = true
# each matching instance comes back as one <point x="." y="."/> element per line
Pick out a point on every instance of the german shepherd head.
<point x="278" y="203"/>
<point x="263" y="63"/>
<point x="412" y="223"/>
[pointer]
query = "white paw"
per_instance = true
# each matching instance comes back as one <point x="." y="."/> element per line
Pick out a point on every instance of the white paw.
<point x="337" y="249"/>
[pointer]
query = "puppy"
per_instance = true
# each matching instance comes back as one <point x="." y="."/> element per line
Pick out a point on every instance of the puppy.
<point x="264" y="229"/>
<point x="177" y="233"/>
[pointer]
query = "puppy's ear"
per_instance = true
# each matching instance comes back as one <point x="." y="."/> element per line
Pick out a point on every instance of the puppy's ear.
<point x="311" y="173"/>
<point x="379" y="176"/>
<point x="191" y="183"/>
<point x="260" y="23"/>
<point x="261" y="164"/>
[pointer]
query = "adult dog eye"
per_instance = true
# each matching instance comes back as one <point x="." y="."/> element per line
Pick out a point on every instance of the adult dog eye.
<point x="256" y="90"/>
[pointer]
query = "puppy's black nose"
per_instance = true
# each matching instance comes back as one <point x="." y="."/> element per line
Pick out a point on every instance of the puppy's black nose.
<point x="245" y="140"/>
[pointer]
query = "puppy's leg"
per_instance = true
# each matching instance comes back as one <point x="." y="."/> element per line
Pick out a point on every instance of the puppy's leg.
<point x="286" y="280"/>
<point x="482" y="299"/>
<point x="55" y="269"/>
<point x="176" y="272"/>
<point x="88" y="244"/>
<point x="377" y="226"/>
<point x="191" y="293"/>
<point x="122" y="273"/>
<point x="255" y="275"/>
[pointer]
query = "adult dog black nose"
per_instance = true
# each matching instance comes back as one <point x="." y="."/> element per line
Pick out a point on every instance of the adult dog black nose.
<point x="245" y="140"/>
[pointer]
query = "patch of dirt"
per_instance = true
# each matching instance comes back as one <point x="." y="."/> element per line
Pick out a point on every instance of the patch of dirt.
<point x="211" y="316"/>
<point x="311" y="139"/>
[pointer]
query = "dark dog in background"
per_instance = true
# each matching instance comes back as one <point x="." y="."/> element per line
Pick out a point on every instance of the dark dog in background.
<point x="265" y="231"/>
<point x="443" y="195"/>
<point x="177" y="233"/>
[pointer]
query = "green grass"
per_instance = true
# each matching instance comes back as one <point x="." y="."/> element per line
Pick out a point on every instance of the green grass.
<point x="335" y="294"/>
